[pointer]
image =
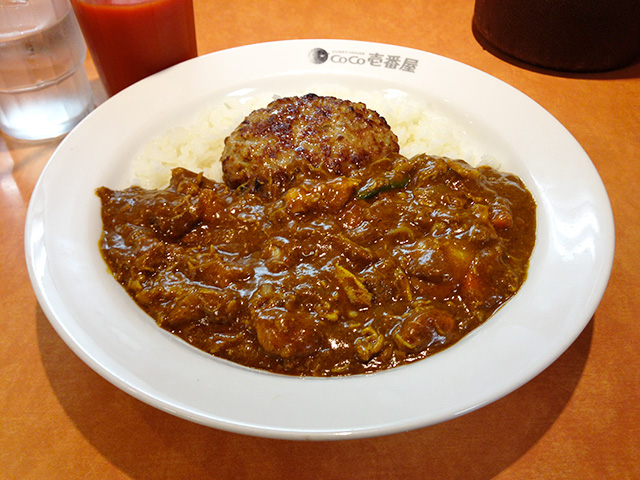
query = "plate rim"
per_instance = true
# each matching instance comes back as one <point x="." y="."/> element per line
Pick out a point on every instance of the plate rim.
<point x="33" y="242"/>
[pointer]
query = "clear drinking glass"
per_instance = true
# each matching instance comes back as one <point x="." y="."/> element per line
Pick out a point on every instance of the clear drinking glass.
<point x="44" y="89"/>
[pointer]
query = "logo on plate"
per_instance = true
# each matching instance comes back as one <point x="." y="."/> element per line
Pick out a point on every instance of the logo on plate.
<point x="318" y="55"/>
<point x="372" y="59"/>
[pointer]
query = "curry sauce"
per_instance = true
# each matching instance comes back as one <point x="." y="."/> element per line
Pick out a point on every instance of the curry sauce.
<point x="339" y="275"/>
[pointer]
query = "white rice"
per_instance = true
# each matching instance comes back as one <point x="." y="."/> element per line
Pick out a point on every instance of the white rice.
<point x="198" y="145"/>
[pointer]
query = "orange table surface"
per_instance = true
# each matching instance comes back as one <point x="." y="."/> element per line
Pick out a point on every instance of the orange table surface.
<point x="579" y="419"/>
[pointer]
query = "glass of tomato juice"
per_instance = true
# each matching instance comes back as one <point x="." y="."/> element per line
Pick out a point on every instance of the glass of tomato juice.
<point x="132" y="39"/>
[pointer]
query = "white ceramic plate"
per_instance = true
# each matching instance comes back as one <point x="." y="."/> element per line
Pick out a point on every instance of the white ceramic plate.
<point x="569" y="268"/>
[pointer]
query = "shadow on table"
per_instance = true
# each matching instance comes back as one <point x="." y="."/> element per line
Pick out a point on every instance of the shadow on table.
<point x="138" y="439"/>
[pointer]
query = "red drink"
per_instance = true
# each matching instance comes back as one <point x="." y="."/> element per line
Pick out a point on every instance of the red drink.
<point x="132" y="39"/>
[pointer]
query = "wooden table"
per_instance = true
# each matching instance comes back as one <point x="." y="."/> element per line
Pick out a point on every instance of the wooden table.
<point x="579" y="419"/>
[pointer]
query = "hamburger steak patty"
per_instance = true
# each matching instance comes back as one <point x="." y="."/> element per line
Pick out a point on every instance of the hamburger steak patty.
<point x="295" y="134"/>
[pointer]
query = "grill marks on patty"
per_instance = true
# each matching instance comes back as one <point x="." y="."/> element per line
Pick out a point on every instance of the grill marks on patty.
<point x="292" y="135"/>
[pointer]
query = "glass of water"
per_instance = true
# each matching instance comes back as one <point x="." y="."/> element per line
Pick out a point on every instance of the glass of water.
<point x="44" y="89"/>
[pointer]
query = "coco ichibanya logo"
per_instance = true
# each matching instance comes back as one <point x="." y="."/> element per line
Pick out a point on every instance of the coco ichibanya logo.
<point x="380" y="60"/>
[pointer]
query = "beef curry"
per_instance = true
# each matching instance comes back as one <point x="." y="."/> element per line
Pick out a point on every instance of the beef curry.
<point x="338" y="275"/>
